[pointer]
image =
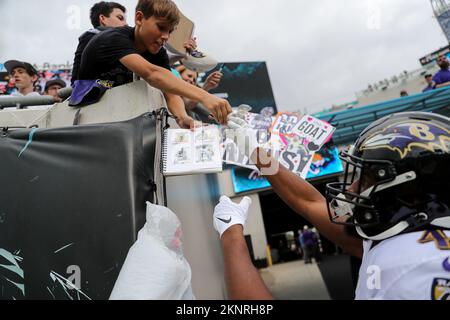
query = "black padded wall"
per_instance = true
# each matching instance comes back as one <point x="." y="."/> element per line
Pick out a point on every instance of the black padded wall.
<point x="71" y="202"/>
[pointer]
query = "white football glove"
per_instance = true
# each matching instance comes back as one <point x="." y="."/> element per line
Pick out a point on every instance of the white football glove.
<point x="237" y="123"/>
<point x="227" y="213"/>
<point x="245" y="139"/>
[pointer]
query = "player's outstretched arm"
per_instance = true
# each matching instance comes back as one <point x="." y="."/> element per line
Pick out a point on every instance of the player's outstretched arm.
<point x="304" y="199"/>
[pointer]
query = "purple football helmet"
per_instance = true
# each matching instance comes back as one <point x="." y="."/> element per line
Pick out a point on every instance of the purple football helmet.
<point x="397" y="177"/>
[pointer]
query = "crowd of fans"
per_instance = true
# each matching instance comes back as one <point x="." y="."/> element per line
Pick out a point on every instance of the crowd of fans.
<point x="62" y="76"/>
<point x="112" y="51"/>
<point x="441" y="78"/>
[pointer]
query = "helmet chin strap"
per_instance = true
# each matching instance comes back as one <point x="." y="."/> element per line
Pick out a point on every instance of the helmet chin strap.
<point x="402" y="178"/>
<point x="344" y="208"/>
<point x="402" y="225"/>
<point x="443" y="222"/>
<point x="398" y="228"/>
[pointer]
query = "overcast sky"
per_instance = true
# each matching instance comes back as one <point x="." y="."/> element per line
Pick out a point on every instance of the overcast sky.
<point x="318" y="52"/>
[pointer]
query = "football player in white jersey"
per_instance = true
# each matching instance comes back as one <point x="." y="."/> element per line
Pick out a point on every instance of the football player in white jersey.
<point x="392" y="209"/>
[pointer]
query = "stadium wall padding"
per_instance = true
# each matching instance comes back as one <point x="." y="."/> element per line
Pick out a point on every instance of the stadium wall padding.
<point x="71" y="203"/>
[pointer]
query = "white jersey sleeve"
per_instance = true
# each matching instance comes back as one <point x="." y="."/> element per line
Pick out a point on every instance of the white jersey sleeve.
<point x="414" y="266"/>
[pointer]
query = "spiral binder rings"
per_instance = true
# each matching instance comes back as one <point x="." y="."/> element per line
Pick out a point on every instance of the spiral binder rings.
<point x="188" y="152"/>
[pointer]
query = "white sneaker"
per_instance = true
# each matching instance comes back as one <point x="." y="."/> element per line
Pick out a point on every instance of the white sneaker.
<point x="199" y="61"/>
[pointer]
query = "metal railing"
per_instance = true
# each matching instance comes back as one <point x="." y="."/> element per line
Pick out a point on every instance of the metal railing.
<point x="24" y="102"/>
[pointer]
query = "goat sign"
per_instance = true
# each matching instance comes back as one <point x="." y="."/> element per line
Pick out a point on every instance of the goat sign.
<point x="315" y="132"/>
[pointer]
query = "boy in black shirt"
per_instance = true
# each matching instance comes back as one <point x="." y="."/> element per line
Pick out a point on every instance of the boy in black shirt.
<point x="103" y="15"/>
<point x="115" y="54"/>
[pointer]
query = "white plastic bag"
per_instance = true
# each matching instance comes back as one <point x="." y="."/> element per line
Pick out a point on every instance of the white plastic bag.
<point x="155" y="268"/>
